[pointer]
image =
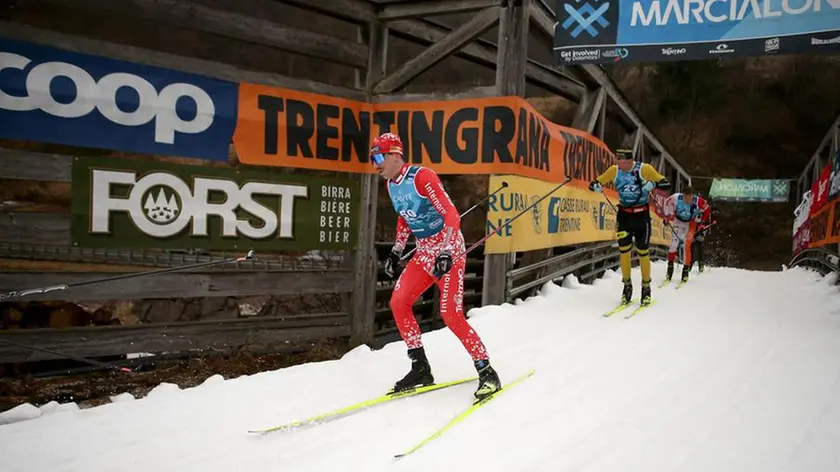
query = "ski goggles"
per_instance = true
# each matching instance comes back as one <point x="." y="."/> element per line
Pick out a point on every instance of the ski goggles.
<point x="377" y="158"/>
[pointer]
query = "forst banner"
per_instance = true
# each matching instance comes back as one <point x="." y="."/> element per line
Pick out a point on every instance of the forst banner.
<point x="741" y="190"/>
<point x="606" y="31"/>
<point x="133" y="203"/>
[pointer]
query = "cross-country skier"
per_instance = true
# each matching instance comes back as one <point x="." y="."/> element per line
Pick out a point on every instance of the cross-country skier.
<point x="680" y="210"/>
<point x="633" y="181"/>
<point x="425" y="210"/>
<point x="703" y="226"/>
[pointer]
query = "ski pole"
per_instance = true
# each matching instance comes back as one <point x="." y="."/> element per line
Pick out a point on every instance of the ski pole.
<point x="17" y="294"/>
<point x="532" y="205"/>
<point x="68" y="356"/>
<point x="504" y="185"/>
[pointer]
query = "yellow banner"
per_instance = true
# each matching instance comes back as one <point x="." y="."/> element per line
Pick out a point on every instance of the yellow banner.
<point x="572" y="214"/>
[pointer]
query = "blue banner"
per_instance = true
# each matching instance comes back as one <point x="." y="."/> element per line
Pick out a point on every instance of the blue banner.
<point x="56" y="96"/>
<point x="603" y="31"/>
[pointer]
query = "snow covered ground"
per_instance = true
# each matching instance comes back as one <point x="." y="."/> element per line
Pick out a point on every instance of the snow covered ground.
<point x="736" y="371"/>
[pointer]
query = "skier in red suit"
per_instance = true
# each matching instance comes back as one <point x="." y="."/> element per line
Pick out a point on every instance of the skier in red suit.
<point x="425" y="210"/>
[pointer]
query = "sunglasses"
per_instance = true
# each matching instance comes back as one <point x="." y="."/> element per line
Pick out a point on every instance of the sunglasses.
<point x="377" y="158"/>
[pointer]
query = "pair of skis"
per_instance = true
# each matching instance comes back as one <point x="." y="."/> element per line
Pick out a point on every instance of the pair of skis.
<point x="363" y="405"/>
<point x="625" y="306"/>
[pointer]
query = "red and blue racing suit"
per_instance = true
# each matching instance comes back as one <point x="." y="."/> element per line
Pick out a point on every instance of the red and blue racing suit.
<point x="425" y="210"/>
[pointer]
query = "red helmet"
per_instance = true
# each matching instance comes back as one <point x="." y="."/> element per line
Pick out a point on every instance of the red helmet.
<point x="387" y="142"/>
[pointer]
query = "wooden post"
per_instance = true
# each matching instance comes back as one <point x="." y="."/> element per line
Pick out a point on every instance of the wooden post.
<point x="510" y="80"/>
<point x="364" y="293"/>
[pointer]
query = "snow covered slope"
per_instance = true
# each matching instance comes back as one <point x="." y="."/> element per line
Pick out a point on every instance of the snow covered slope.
<point x="736" y="371"/>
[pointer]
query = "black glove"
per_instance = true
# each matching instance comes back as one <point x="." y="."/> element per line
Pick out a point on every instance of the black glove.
<point x="663" y="184"/>
<point x="443" y="263"/>
<point x="392" y="264"/>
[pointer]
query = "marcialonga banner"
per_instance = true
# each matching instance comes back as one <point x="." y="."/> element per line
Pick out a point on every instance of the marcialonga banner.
<point x="572" y="214"/>
<point x="132" y="203"/>
<point x="742" y="190"/>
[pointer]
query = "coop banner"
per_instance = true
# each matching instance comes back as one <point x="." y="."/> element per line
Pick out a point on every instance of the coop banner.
<point x="141" y="203"/>
<point x="607" y="31"/>
<point x="572" y="214"/>
<point x="741" y="190"/>
<point x="57" y="96"/>
<point x="502" y="135"/>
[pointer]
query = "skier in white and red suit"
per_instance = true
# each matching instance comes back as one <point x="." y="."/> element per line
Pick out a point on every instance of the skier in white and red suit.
<point x="425" y="210"/>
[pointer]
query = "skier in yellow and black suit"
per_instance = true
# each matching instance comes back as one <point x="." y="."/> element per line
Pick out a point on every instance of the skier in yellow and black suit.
<point x="633" y="181"/>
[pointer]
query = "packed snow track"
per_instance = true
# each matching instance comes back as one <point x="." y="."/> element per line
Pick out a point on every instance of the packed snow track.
<point x="735" y="371"/>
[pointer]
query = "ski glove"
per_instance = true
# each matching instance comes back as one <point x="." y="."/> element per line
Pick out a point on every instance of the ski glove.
<point x="392" y="264"/>
<point x="595" y="186"/>
<point x="648" y="186"/>
<point x="443" y="263"/>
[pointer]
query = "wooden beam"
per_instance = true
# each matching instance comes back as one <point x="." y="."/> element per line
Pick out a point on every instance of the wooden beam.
<point x="190" y="15"/>
<point x="472" y="92"/>
<point x="363" y="301"/>
<point x="483" y="52"/>
<point x="25" y="165"/>
<point x="148" y="57"/>
<point x="402" y="10"/>
<point x="93" y="341"/>
<point x="227" y="283"/>
<point x="466" y="33"/>
<point x="589" y="110"/>
<point x="510" y="80"/>
<point x="358" y="11"/>
<point x="542" y="17"/>
<point x="597" y="73"/>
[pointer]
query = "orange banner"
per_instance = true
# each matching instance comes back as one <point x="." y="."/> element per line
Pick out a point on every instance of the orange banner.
<point x="825" y="225"/>
<point x="499" y="135"/>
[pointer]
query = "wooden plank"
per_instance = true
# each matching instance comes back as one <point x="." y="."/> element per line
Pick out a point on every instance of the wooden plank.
<point x="24" y="165"/>
<point x="358" y="11"/>
<point x="148" y="57"/>
<point x="35" y="228"/>
<point x="402" y="10"/>
<point x="510" y="80"/>
<point x="228" y="283"/>
<point x="466" y="33"/>
<point x="190" y="15"/>
<point x="170" y="337"/>
<point x="472" y="92"/>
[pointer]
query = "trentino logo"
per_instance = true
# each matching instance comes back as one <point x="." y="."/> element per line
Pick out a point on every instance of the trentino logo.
<point x="585" y="16"/>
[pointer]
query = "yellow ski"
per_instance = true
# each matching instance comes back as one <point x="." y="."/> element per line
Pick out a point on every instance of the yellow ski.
<point x="475" y="405"/>
<point x="348" y="410"/>
<point x="620" y="307"/>
<point x="641" y="307"/>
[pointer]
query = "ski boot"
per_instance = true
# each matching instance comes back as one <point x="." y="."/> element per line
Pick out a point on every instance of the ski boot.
<point x="669" y="273"/>
<point x="488" y="379"/>
<point x="420" y="374"/>
<point x="685" y="271"/>
<point x="701" y="267"/>
<point x="627" y="292"/>
<point x="645" y="301"/>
